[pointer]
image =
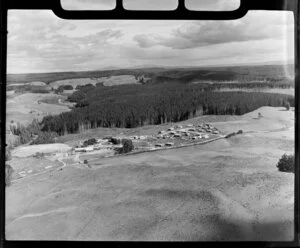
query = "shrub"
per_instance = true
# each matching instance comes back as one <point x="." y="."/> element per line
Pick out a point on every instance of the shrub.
<point x="286" y="163"/>
<point x="25" y="133"/>
<point x="86" y="86"/>
<point x="41" y="91"/>
<point x="287" y="105"/>
<point x="7" y="154"/>
<point x="240" y="132"/>
<point x="90" y="142"/>
<point x="21" y="131"/>
<point x="60" y="89"/>
<point x="115" y="141"/>
<point x="8" y="174"/>
<point x="67" y="87"/>
<point x="82" y="103"/>
<point x="39" y="155"/>
<point x="127" y="145"/>
<point x="119" y="150"/>
<point x="45" y="138"/>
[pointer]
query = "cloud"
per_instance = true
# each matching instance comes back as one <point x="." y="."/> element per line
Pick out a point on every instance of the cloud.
<point x="38" y="41"/>
<point x="255" y="51"/>
<point x="198" y="34"/>
<point x="35" y="45"/>
<point x="145" y="41"/>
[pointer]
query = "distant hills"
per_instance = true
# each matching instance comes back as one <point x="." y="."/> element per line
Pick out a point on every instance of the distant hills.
<point x="167" y="74"/>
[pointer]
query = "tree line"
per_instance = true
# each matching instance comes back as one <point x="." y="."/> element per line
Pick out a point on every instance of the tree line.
<point x="32" y="133"/>
<point x="137" y="105"/>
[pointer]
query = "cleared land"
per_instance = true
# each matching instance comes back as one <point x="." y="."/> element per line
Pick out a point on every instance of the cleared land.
<point x="287" y="91"/>
<point x="24" y="108"/>
<point x="32" y="166"/>
<point x="107" y="81"/>
<point x="38" y="83"/>
<point x="225" y="190"/>
<point x="193" y="74"/>
<point x="74" y="139"/>
<point x="26" y="151"/>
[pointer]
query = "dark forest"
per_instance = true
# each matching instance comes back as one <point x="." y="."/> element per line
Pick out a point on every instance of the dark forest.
<point x="132" y="106"/>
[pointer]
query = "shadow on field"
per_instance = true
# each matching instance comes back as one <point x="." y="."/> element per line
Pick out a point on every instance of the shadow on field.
<point x="218" y="229"/>
<point x="271" y="231"/>
<point x="191" y="215"/>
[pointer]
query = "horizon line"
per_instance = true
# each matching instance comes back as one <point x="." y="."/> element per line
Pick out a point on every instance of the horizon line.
<point x="137" y="67"/>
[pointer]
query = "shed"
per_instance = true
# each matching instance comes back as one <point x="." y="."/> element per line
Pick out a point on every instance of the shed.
<point x="80" y="149"/>
<point x="89" y="148"/>
<point x="169" y="144"/>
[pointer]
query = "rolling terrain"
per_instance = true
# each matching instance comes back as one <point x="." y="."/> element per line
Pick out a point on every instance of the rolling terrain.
<point x="225" y="190"/>
<point x="229" y="190"/>
<point x="275" y="73"/>
<point x="24" y="108"/>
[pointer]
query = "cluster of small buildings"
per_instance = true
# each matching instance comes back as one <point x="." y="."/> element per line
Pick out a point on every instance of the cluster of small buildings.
<point x="99" y="144"/>
<point x="165" y="138"/>
<point x="187" y="132"/>
<point x="141" y="137"/>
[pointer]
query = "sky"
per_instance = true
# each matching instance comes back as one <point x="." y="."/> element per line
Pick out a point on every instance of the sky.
<point x="39" y="41"/>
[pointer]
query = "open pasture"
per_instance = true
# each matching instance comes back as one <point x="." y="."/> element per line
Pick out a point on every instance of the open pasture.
<point x="24" y="108"/>
<point x="107" y="81"/>
<point x="287" y="91"/>
<point x="227" y="190"/>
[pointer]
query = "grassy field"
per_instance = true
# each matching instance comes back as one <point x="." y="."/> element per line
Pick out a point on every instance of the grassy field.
<point x="229" y="73"/>
<point x="107" y="81"/>
<point x="288" y="91"/>
<point x="225" y="190"/>
<point x="24" y="108"/>
<point x="30" y="166"/>
<point x="31" y="150"/>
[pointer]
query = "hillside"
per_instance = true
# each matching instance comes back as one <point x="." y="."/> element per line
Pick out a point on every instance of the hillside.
<point x="228" y="190"/>
<point x="273" y="73"/>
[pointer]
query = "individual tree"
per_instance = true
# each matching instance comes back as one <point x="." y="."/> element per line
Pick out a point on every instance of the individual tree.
<point x="127" y="145"/>
<point x="286" y="163"/>
<point x="58" y="91"/>
<point x="287" y="105"/>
